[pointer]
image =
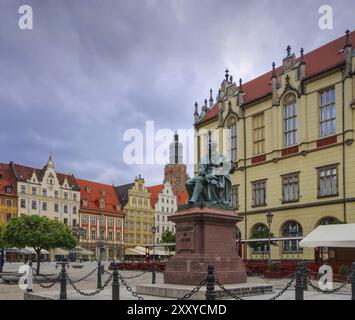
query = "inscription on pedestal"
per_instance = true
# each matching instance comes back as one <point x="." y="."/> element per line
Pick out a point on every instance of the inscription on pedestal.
<point x="184" y="238"/>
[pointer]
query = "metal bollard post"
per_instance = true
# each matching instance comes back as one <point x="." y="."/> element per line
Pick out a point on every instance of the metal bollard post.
<point x="299" y="294"/>
<point x="115" y="282"/>
<point x="353" y="281"/>
<point x="305" y="275"/>
<point x="210" y="292"/>
<point x="63" y="282"/>
<point x="29" y="278"/>
<point x="99" y="284"/>
<point x="154" y="273"/>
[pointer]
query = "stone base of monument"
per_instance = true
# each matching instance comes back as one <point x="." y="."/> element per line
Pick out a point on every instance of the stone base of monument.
<point x="174" y="291"/>
<point x="205" y="235"/>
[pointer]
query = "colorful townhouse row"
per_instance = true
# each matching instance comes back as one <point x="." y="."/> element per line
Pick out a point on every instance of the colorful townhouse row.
<point x="107" y="218"/>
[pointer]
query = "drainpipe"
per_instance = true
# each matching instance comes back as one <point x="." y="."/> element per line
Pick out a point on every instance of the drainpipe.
<point x="245" y="186"/>
<point x="343" y="147"/>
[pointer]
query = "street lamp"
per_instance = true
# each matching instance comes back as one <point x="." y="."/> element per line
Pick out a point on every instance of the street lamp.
<point x="154" y="271"/>
<point x="269" y="217"/>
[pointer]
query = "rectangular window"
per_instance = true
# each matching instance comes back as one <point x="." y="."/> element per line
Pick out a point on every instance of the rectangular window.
<point x="328" y="181"/>
<point x="23" y="203"/>
<point x="44" y="206"/>
<point x="44" y="192"/>
<point x="56" y="207"/>
<point x="23" y="188"/>
<point x="84" y="234"/>
<point x="259" y="133"/>
<point x="110" y="236"/>
<point x="327" y="112"/>
<point x="56" y="194"/>
<point x="102" y="235"/>
<point x="290" y="124"/>
<point x="65" y="208"/>
<point x="34" y="191"/>
<point x="93" y="234"/>
<point x="93" y="220"/>
<point x="9" y="203"/>
<point x="84" y="219"/>
<point x="235" y="197"/>
<point x="75" y="211"/>
<point x="74" y="222"/>
<point x="138" y="226"/>
<point x="110" y="222"/>
<point x="290" y="187"/>
<point x="65" y="195"/>
<point x="75" y="197"/>
<point x="118" y="235"/>
<point x="138" y="238"/>
<point x="118" y="223"/>
<point x="34" y="205"/>
<point x="65" y="221"/>
<point x="259" y="193"/>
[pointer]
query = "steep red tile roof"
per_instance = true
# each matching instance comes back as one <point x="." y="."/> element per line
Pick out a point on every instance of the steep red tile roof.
<point x="94" y="191"/>
<point x="24" y="173"/>
<point x="317" y="61"/>
<point x="155" y="190"/>
<point x="6" y="180"/>
<point x="182" y="197"/>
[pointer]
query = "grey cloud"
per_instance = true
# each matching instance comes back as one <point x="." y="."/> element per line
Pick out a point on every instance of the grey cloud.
<point x="92" y="69"/>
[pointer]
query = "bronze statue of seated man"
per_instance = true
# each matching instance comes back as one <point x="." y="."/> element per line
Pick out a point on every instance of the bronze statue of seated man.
<point x="212" y="184"/>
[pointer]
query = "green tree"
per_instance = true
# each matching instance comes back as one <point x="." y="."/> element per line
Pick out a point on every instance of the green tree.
<point x="261" y="234"/>
<point x="168" y="237"/>
<point x="39" y="233"/>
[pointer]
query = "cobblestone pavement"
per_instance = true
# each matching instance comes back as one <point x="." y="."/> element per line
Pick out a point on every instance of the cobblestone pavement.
<point x="13" y="292"/>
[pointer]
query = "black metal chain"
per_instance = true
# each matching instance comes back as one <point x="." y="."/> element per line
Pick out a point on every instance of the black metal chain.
<point x="89" y="294"/>
<point x="51" y="280"/>
<point x="57" y="280"/>
<point x="194" y="290"/>
<point x="234" y="296"/>
<point x="326" y="291"/>
<point x="85" y="277"/>
<point x="137" y="275"/>
<point x="129" y="289"/>
<point x="281" y="292"/>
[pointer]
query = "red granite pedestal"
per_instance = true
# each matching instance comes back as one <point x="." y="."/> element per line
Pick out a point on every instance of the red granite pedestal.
<point x="203" y="236"/>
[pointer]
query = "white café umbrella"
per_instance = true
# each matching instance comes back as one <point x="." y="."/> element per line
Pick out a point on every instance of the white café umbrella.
<point x="331" y="235"/>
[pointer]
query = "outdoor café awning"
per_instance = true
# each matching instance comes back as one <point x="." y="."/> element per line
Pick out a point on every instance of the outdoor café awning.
<point x="16" y="250"/>
<point x="60" y="252"/>
<point x="332" y="235"/>
<point x="31" y="250"/>
<point x="133" y="252"/>
<point x="81" y="251"/>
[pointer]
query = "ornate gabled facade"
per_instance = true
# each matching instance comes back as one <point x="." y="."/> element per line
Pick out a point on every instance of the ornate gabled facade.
<point x="8" y="196"/>
<point x="164" y="203"/>
<point x="46" y="192"/>
<point x="291" y="134"/>
<point x="101" y="220"/>
<point x="139" y="215"/>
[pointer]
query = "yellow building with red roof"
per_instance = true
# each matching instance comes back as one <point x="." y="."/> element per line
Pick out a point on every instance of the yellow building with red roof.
<point x="290" y="134"/>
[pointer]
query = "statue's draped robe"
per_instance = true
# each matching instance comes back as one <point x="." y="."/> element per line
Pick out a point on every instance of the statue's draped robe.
<point x="215" y="182"/>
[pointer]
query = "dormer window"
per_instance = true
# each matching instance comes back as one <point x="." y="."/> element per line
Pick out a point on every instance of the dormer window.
<point x="88" y="189"/>
<point x="85" y="203"/>
<point x="8" y="189"/>
<point x="102" y="204"/>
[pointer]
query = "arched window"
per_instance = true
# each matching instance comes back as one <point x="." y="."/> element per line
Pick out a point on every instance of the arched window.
<point x="238" y="234"/>
<point x="260" y="231"/>
<point x="290" y="120"/>
<point x="328" y="220"/>
<point x="232" y="126"/>
<point x="292" y="229"/>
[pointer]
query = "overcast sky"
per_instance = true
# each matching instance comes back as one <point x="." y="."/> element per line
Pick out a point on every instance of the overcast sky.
<point x="91" y="69"/>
